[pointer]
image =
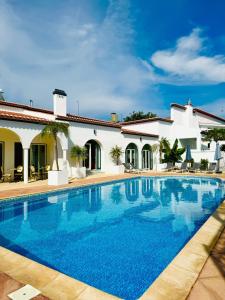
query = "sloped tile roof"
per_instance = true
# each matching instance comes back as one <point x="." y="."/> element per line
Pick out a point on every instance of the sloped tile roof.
<point x="133" y="132"/>
<point x="12" y="116"/>
<point x="200" y="111"/>
<point x="148" y="120"/>
<point x="79" y="119"/>
<point x="17" y="105"/>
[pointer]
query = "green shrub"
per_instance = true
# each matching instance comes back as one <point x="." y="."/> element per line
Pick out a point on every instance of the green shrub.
<point x="115" y="154"/>
<point x="78" y="154"/>
<point x="204" y="164"/>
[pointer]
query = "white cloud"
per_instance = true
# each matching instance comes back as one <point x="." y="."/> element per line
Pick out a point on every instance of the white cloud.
<point x="216" y="107"/>
<point x="90" y="59"/>
<point x="186" y="63"/>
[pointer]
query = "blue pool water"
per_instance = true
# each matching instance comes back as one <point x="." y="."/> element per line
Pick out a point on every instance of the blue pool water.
<point x="117" y="236"/>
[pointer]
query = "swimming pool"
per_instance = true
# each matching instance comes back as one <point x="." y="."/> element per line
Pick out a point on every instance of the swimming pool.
<point x="116" y="236"/>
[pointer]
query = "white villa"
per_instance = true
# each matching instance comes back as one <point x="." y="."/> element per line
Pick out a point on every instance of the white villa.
<point x="21" y="142"/>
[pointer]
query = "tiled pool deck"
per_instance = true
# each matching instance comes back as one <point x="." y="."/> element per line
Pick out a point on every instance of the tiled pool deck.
<point x="192" y="275"/>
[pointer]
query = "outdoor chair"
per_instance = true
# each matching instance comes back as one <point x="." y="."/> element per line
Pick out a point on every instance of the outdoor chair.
<point x="169" y="167"/>
<point x="211" y="168"/>
<point x="183" y="168"/>
<point x="33" y="174"/>
<point x="45" y="171"/>
<point x="195" y="168"/>
<point x="129" y="168"/>
<point x="18" y="174"/>
<point x="6" y="176"/>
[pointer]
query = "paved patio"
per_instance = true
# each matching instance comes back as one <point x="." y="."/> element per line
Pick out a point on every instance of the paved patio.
<point x="210" y="284"/>
<point x="9" y="285"/>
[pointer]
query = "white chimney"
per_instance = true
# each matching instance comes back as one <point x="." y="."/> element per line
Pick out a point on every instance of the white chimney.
<point x="189" y="114"/>
<point x="60" y="103"/>
<point x="1" y="95"/>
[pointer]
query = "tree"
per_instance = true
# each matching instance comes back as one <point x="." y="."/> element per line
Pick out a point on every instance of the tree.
<point x="215" y="134"/>
<point x="222" y="148"/>
<point x="162" y="143"/>
<point x="79" y="154"/>
<point x="139" y="115"/>
<point x="52" y="130"/>
<point x="173" y="154"/>
<point x="115" y="154"/>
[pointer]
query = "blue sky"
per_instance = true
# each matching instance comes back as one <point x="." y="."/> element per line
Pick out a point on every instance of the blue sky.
<point x="114" y="55"/>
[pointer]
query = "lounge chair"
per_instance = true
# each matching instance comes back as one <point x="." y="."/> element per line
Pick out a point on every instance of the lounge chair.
<point x="195" y="168"/>
<point x="211" y="168"/>
<point x="183" y="168"/>
<point x="129" y="168"/>
<point x="169" y="167"/>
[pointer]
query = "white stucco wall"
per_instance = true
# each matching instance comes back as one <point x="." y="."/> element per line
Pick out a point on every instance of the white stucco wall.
<point x="107" y="137"/>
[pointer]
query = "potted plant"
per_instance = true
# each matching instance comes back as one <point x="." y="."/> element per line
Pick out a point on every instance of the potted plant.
<point x="115" y="154"/>
<point x="56" y="177"/>
<point x="78" y="154"/>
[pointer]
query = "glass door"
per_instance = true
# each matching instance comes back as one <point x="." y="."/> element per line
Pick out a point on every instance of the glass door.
<point x="97" y="157"/>
<point x="131" y="157"/>
<point x="88" y="158"/>
<point x="146" y="159"/>
<point x="38" y="156"/>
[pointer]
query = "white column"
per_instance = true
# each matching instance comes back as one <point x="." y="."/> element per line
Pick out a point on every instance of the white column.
<point x="25" y="165"/>
<point x="65" y="154"/>
<point x="65" y="163"/>
<point x="139" y="159"/>
<point x="199" y="143"/>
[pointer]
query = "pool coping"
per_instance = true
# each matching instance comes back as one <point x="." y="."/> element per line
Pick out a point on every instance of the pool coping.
<point x="174" y="283"/>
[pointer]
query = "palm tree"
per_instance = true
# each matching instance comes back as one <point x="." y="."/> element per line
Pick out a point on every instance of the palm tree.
<point x="79" y="154"/>
<point x="215" y="134"/>
<point x="115" y="154"/>
<point x="173" y="154"/>
<point x="52" y="130"/>
<point x="163" y="141"/>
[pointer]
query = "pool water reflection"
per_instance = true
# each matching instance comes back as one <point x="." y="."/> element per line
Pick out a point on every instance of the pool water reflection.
<point x="116" y="236"/>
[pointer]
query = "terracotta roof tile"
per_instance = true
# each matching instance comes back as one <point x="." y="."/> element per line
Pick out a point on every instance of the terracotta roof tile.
<point x="79" y="119"/>
<point x="178" y="106"/>
<point x="148" y="120"/>
<point x="7" y="115"/>
<point x="208" y="114"/>
<point x="133" y="132"/>
<point x="12" y="104"/>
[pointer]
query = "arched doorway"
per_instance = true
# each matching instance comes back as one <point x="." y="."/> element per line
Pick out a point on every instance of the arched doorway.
<point x="93" y="160"/>
<point x="131" y="155"/>
<point x="41" y="154"/>
<point x="11" y="152"/>
<point x="146" y="154"/>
